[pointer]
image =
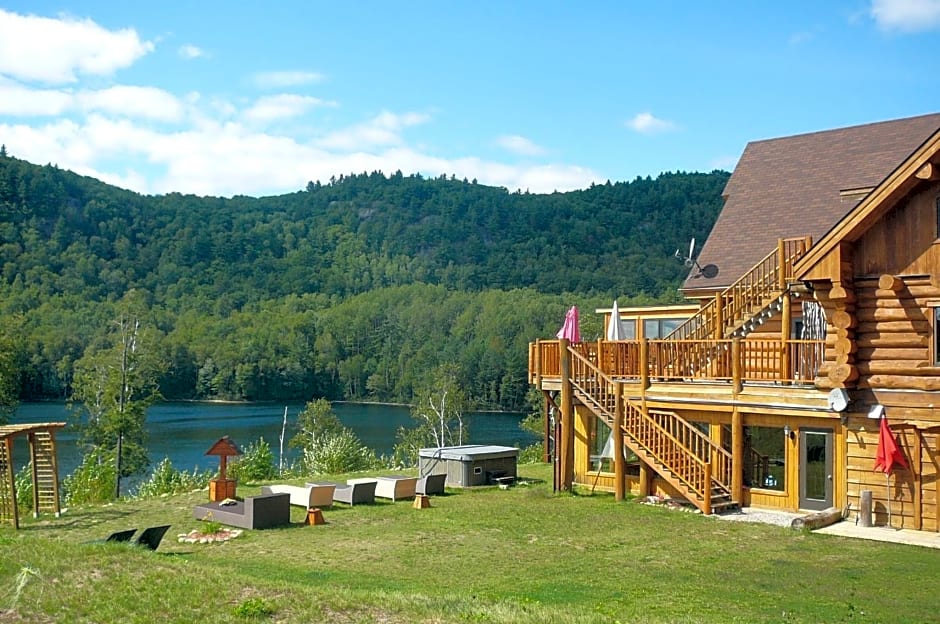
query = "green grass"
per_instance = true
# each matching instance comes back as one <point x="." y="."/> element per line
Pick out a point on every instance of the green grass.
<point x="489" y="555"/>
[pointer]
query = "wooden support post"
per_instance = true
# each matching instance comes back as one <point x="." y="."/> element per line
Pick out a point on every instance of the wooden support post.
<point x="646" y="478"/>
<point x="864" y="509"/>
<point x="736" y="377"/>
<point x="9" y="484"/>
<point x="737" y="456"/>
<point x="707" y="506"/>
<point x="566" y="443"/>
<point x="619" y="467"/>
<point x="785" y="335"/>
<point x="547" y="424"/>
<point x="537" y="364"/>
<point x="781" y="265"/>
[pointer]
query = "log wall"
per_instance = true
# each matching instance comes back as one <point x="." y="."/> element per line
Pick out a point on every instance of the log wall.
<point x="911" y="494"/>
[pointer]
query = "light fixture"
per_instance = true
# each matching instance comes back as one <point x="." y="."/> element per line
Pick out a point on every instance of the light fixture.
<point x="787" y="433"/>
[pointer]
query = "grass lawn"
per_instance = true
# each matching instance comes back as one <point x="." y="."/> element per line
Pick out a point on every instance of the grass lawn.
<point x="486" y="555"/>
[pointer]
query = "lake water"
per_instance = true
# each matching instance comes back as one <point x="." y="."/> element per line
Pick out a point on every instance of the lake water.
<point x="185" y="431"/>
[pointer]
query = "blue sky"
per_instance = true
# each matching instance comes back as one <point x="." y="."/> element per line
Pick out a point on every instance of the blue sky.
<point x="226" y="98"/>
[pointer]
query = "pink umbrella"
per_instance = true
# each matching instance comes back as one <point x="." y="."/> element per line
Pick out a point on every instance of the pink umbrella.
<point x="570" y="329"/>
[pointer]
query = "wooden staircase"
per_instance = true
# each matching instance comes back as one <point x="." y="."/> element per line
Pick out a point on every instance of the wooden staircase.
<point x="759" y="292"/>
<point x="677" y="451"/>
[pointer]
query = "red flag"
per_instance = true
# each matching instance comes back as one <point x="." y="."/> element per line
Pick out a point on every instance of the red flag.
<point x="888" y="452"/>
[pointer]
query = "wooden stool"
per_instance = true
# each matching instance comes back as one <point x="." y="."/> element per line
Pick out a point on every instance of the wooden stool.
<point x="314" y="517"/>
<point x="422" y="501"/>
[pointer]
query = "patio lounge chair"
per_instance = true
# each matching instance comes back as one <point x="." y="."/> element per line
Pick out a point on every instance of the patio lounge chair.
<point x="395" y="487"/>
<point x="431" y="484"/>
<point x="121" y="536"/>
<point x="151" y="536"/>
<point x="307" y="496"/>
<point x="255" y="512"/>
<point x="355" y="492"/>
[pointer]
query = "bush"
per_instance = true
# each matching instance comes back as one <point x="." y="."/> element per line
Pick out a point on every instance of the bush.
<point x="93" y="481"/>
<point x="533" y="454"/>
<point x="255" y="464"/>
<point x="165" y="479"/>
<point x="338" y="453"/>
<point x="24" y="487"/>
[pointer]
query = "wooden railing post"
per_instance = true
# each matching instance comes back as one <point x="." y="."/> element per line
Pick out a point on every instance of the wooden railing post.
<point x="644" y="365"/>
<point x="707" y="503"/>
<point x="566" y="444"/>
<point x="781" y="265"/>
<point x="619" y="468"/>
<point x="785" y="335"/>
<point x="736" y="366"/>
<point x="719" y="318"/>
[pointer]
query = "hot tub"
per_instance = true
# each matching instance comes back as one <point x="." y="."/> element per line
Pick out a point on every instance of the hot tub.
<point x="470" y="464"/>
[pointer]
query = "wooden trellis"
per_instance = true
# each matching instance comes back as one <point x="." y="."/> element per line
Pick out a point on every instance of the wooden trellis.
<point x="45" y="470"/>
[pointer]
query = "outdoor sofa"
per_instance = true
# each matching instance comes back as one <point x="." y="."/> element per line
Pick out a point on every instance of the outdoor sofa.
<point x="255" y="512"/>
<point x="308" y="496"/>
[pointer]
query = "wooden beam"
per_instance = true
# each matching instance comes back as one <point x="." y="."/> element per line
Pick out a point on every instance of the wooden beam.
<point x="929" y="172"/>
<point x="619" y="467"/>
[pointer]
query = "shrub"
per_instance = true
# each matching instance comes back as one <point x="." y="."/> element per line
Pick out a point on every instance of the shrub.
<point x="93" y="481"/>
<point x="165" y="479"/>
<point x="337" y="453"/>
<point x="24" y="487"/>
<point x="255" y="464"/>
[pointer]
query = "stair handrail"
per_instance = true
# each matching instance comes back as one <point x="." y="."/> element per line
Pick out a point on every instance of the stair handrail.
<point x="767" y="277"/>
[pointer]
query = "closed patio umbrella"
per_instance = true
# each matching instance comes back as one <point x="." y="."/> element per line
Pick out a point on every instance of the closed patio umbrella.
<point x="887" y="456"/>
<point x="570" y="329"/>
<point x="615" y="327"/>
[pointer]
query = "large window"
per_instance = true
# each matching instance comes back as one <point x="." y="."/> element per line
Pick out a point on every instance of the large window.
<point x="654" y="329"/>
<point x="765" y="464"/>
<point x="601" y="448"/>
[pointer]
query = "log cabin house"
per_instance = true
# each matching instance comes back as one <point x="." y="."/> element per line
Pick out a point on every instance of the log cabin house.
<point x="815" y="311"/>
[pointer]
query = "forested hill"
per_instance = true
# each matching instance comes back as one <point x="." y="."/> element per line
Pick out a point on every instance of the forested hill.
<point x="71" y="247"/>
<point x="63" y="233"/>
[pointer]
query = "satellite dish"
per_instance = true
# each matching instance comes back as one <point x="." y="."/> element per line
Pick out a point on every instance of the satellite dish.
<point x="838" y="400"/>
<point x="710" y="270"/>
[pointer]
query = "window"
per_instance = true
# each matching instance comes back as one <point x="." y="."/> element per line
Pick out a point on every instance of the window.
<point x="654" y="329"/>
<point x="765" y="462"/>
<point x="936" y="336"/>
<point x="629" y="328"/>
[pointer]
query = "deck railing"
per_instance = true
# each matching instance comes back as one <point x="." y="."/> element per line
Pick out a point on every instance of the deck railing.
<point x="787" y="361"/>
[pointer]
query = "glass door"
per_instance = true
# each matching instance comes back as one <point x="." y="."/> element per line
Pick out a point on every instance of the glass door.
<point x="815" y="468"/>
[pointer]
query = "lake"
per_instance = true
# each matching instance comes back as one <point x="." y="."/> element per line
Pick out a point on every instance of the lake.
<point x="185" y="431"/>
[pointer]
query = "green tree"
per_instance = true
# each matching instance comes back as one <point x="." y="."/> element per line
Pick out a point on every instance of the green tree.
<point x="9" y="389"/>
<point x="115" y="384"/>
<point x="438" y="414"/>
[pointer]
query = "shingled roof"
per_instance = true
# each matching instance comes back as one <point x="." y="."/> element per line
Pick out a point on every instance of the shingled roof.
<point x="795" y="186"/>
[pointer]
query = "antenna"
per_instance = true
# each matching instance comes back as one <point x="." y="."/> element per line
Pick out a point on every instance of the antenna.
<point x="708" y="271"/>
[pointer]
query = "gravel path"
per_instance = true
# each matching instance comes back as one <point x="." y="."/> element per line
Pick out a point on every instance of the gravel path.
<point x="750" y="514"/>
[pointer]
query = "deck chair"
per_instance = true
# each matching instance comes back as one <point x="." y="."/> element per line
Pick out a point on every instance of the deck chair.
<point x="151" y="536"/>
<point x="121" y="536"/>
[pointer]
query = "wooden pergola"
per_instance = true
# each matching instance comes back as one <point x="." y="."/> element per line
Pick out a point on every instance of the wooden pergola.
<point x="45" y="469"/>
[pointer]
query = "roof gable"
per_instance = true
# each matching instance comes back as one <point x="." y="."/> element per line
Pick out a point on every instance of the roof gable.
<point x="801" y="186"/>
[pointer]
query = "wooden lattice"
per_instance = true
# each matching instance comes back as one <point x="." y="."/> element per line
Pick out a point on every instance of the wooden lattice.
<point x="8" y="511"/>
<point x="44" y="469"/>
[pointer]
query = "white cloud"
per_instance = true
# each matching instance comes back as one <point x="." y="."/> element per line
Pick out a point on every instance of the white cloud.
<point x="283" y="106"/>
<point x="20" y="101"/>
<point x="906" y="15"/>
<point x="727" y="163"/>
<point x="281" y="79"/>
<point x="189" y="51"/>
<point x="55" y="51"/>
<point x="382" y="130"/>
<point x="520" y="145"/>
<point x="647" y="123"/>
<point x="129" y="101"/>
